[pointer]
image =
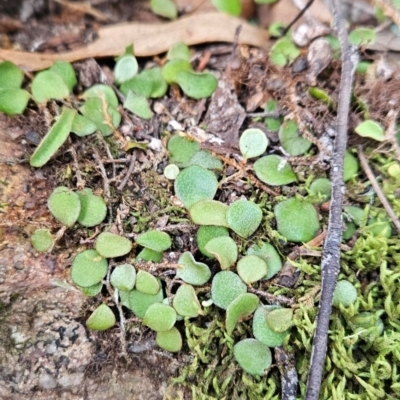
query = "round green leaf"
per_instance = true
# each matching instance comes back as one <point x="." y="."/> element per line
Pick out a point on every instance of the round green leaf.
<point x="206" y="160"/>
<point x="262" y="331"/>
<point x="244" y="217"/>
<point x="160" y="317"/>
<point x="88" y="268"/>
<point x="179" y="50"/>
<point x="349" y="232"/>
<point x="149" y="83"/>
<point x="192" y="271"/>
<point x="42" y="240"/>
<point x="394" y="170"/>
<point x="241" y="307"/>
<point x="155" y="240"/>
<point x="171" y="171"/>
<point x="53" y="139"/>
<point x="82" y="126"/>
<point x="13" y="100"/>
<point x="280" y="319"/>
<point x="268" y="253"/>
<point x="209" y="212"/>
<point x="170" y="340"/>
<point x="345" y="293"/>
<point x="65" y="205"/>
<point x="93" y="208"/>
<point x="104" y="92"/>
<point x="125" y="68"/>
<point x="164" y="8"/>
<point x="123" y="277"/>
<point x="224" y="250"/>
<point x="172" y="68"/>
<point x="66" y="72"/>
<point x="283" y="52"/>
<point x="105" y="116"/>
<point x="362" y="36"/>
<point x="253" y="143"/>
<point x="139" y="302"/>
<point x="181" y="150"/>
<point x="110" y="245"/>
<point x="138" y="105"/>
<point x="147" y="283"/>
<point x="197" y="85"/>
<point x="321" y="190"/>
<point x="356" y="214"/>
<point x="251" y="269"/>
<point x="47" y="85"/>
<point x="102" y="318"/>
<point x="206" y="233"/>
<point x="92" y="290"/>
<point x="194" y="184"/>
<point x="186" y="302"/>
<point x="371" y="129"/>
<point x="290" y="139"/>
<point x="231" y="7"/>
<point x="274" y="170"/>
<point x="11" y="76"/>
<point x="149" y="255"/>
<point x="253" y="356"/>
<point x="297" y="220"/>
<point x="138" y="86"/>
<point x="226" y="286"/>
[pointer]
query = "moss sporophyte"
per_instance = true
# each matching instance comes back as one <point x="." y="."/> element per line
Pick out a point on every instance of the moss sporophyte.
<point x="221" y="296"/>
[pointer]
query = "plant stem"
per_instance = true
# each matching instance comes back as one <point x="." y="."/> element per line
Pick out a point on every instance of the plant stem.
<point x="330" y="264"/>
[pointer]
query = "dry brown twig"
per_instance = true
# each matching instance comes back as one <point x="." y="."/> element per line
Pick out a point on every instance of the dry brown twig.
<point x="374" y="183"/>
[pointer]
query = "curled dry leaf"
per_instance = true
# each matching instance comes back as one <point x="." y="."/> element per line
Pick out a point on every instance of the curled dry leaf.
<point x="149" y="39"/>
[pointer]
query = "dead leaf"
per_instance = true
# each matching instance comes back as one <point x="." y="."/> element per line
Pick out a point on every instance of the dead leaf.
<point x="285" y="11"/>
<point x="148" y="39"/>
<point x="225" y="115"/>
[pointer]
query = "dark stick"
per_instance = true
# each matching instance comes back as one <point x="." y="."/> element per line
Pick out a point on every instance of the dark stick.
<point x="299" y="15"/>
<point x="287" y="367"/>
<point x="330" y="263"/>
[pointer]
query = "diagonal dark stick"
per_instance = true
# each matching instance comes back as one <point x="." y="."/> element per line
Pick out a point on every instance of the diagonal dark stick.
<point x="330" y="264"/>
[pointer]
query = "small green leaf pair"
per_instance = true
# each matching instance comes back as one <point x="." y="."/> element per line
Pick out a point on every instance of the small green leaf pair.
<point x="242" y="216"/>
<point x="99" y="112"/>
<point x="154" y="243"/>
<point x="185" y="152"/>
<point x="83" y="206"/>
<point x="138" y="87"/>
<point x="178" y="70"/>
<point x="55" y="83"/>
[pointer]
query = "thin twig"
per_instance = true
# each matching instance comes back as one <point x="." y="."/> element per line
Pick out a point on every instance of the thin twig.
<point x="371" y="177"/>
<point x="330" y="263"/>
<point x="129" y="173"/>
<point x="299" y="15"/>
<point x="106" y="184"/>
<point x="273" y="114"/>
<point x="271" y="298"/>
<point x="108" y="151"/>
<point x="80" y="182"/>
